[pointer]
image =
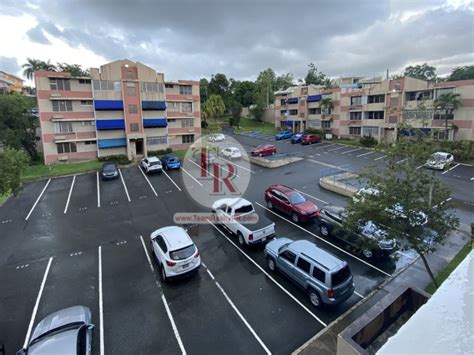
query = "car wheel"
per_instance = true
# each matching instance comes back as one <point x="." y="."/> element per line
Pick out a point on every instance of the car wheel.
<point x="273" y="153"/>
<point x="323" y="228"/>
<point x="295" y="218"/>
<point x="164" y="278"/>
<point x="241" y="239"/>
<point x="260" y="155"/>
<point x="367" y="253"/>
<point x="314" y="298"/>
<point x="270" y="204"/>
<point x="271" y="264"/>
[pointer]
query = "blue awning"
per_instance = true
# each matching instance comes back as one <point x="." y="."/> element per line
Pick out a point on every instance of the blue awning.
<point x="313" y="98"/>
<point x="103" y="125"/>
<point x="153" y="105"/>
<point x="112" y="143"/>
<point x="292" y="100"/>
<point x="108" y="104"/>
<point x="414" y="131"/>
<point x="155" y="122"/>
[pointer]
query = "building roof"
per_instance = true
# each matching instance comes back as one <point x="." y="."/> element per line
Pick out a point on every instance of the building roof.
<point x="13" y="76"/>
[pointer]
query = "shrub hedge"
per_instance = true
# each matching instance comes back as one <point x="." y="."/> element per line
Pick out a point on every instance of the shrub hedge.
<point x="119" y="159"/>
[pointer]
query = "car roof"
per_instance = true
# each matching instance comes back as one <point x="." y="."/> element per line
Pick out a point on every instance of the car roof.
<point x="232" y="148"/>
<point x="320" y="256"/>
<point x="169" y="156"/>
<point x="283" y="188"/>
<point x="334" y="209"/>
<point x="175" y="237"/>
<point x="153" y="159"/>
<point x="442" y="153"/>
<point x="234" y="202"/>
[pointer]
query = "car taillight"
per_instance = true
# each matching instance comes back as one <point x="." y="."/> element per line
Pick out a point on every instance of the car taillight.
<point x="250" y="236"/>
<point x="317" y="214"/>
<point x="197" y="254"/>
<point x="170" y="263"/>
<point x="330" y="293"/>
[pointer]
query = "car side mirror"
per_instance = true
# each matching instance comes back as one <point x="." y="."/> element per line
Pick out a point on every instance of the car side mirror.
<point x="91" y="326"/>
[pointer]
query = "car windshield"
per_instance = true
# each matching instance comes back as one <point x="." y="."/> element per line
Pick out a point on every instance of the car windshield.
<point x="109" y="168"/>
<point x="57" y="330"/>
<point x="340" y="276"/>
<point x="153" y="163"/>
<point x="261" y="146"/>
<point x="183" y="253"/>
<point x="438" y="157"/>
<point x="244" y="209"/>
<point x="296" y="198"/>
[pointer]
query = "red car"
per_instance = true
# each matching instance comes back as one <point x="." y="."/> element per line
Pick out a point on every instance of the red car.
<point x="310" y="139"/>
<point x="263" y="149"/>
<point x="291" y="202"/>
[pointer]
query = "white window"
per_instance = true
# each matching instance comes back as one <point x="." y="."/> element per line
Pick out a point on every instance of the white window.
<point x="186" y="90"/>
<point x="63" y="127"/>
<point x="61" y="105"/>
<point x="186" y="107"/>
<point x="157" y="140"/>
<point x="189" y="122"/>
<point x="59" y="84"/>
<point x="66" y="148"/>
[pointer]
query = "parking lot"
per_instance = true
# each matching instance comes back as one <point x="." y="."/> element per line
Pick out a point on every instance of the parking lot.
<point x="80" y="240"/>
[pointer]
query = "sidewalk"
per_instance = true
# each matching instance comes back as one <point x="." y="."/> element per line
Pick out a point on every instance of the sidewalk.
<point x="325" y="342"/>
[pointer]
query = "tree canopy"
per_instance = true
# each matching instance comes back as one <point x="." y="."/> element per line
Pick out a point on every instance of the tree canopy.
<point x="462" y="73"/>
<point x="12" y="163"/>
<point x="33" y="64"/>
<point x="422" y="72"/>
<point x="316" y="77"/>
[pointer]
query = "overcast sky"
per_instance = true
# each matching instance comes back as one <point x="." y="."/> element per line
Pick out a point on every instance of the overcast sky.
<point x="191" y="39"/>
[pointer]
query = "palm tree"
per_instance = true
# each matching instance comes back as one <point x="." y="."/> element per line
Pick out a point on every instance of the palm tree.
<point x="214" y="106"/>
<point x="326" y="105"/>
<point x="74" y="69"/>
<point x="35" y="64"/>
<point x="447" y="103"/>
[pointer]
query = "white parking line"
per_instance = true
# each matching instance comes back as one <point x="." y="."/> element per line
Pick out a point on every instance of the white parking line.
<point x="200" y="167"/>
<point x="164" y="172"/>
<point x="447" y="171"/>
<point x="403" y="254"/>
<point x="124" y="186"/>
<point x="240" y="166"/>
<point x="383" y="156"/>
<point x="333" y="150"/>
<point x="315" y="198"/>
<point x="148" y="181"/>
<point x="401" y="161"/>
<point x="37" y="200"/>
<point x="101" y="305"/>
<point x="325" y="241"/>
<point x="443" y="202"/>
<point x="352" y="150"/>
<point x="238" y="312"/>
<point x="358" y="294"/>
<point x="270" y="277"/>
<point x="70" y="192"/>
<point x="418" y="167"/>
<point x="165" y="302"/>
<point x="35" y="308"/>
<point x="361" y="155"/>
<point x="98" y="190"/>
<point x="192" y="177"/>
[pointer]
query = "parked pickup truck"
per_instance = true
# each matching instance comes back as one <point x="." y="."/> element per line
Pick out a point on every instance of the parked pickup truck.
<point x="238" y="216"/>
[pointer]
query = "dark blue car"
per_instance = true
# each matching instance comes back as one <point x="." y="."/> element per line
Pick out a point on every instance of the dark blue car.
<point x="170" y="161"/>
<point x="283" y="135"/>
<point x="297" y="137"/>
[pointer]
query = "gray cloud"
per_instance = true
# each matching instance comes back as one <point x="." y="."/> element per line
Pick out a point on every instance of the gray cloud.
<point x="9" y="65"/>
<point x="36" y="35"/>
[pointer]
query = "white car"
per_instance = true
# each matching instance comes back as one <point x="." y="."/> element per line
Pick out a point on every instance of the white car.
<point x="231" y="153"/>
<point x="439" y="160"/>
<point x="151" y="165"/>
<point x="175" y="252"/>
<point x="219" y="137"/>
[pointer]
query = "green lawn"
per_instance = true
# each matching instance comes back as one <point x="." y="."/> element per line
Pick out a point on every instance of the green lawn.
<point x="249" y="124"/>
<point x="43" y="171"/>
<point x="443" y="274"/>
<point x="354" y="142"/>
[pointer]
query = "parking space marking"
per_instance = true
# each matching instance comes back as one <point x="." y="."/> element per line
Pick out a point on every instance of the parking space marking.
<point x="124" y="186"/>
<point x="250" y="171"/>
<point x="358" y="294"/>
<point x="447" y="171"/>
<point x="383" y="156"/>
<point x="237" y="311"/>
<point x="269" y="276"/>
<point x="37" y="200"/>
<point x="192" y="177"/>
<point x="325" y="241"/>
<point x="164" y="172"/>
<point x="148" y="181"/>
<point x="101" y="304"/>
<point x="200" y="167"/>
<point x="38" y="298"/>
<point x="165" y="302"/>
<point x="70" y="192"/>
<point x="352" y="150"/>
<point x="403" y="254"/>
<point x="98" y="191"/>
<point x="325" y="164"/>
<point x="418" y="167"/>
<point x="364" y="154"/>
<point x="401" y="161"/>
<point x="317" y="199"/>
<point x="333" y="150"/>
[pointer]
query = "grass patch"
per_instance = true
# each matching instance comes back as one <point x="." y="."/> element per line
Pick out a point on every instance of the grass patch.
<point x="42" y="171"/>
<point x="352" y="142"/>
<point x="444" y="273"/>
<point x="249" y="124"/>
<point x="4" y="197"/>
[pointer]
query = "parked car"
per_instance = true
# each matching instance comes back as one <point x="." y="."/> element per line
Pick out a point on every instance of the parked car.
<point x="68" y="332"/>
<point x="326" y="278"/>
<point x="283" y="135"/>
<point x="218" y="137"/>
<point x="439" y="161"/>
<point x="297" y="137"/>
<point x="233" y="214"/>
<point x="263" y="149"/>
<point x="369" y="239"/>
<point x="170" y="161"/>
<point x="310" y="139"/>
<point x="208" y="156"/>
<point x="109" y="171"/>
<point x="175" y="252"/>
<point x="151" y="165"/>
<point x="291" y="202"/>
<point x="231" y="153"/>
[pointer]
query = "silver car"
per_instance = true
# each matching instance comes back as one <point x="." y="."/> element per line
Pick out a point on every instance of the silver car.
<point x="68" y="331"/>
<point x="326" y="278"/>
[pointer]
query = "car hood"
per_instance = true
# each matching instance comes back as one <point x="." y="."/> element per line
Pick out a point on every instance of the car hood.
<point x="61" y="343"/>
<point x="306" y="207"/>
<point x="273" y="246"/>
<point x="433" y="162"/>
<point x="60" y="318"/>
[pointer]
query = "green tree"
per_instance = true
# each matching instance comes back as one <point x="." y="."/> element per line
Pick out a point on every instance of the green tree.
<point x="204" y="89"/>
<point x="17" y="123"/>
<point x="283" y="82"/>
<point x="316" y="78"/>
<point x="219" y="85"/>
<point x="12" y="163"/>
<point x="73" y="69"/>
<point x="326" y="105"/>
<point x="32" y="65"/>
<point x="405" y="196"/>
<point x="244" y="92"/>
<point x="447" y="103"/>
<point x="422" y="72"/>
<point x="462" y="73"/>
<point x="236" y="110"/>
<point x="214" y="106"/>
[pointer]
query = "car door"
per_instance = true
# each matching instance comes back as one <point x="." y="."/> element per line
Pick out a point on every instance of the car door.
<point x="286" y="205"/>
<point x="286" y="262"/>
<point x="276" y="200"/>
<point x="144" y="163"/>
<point x="301" y="272"/>
<point x="159" y="248"/>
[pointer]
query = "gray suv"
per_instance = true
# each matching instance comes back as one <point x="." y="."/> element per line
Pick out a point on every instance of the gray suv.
<point x="326" y="279"/>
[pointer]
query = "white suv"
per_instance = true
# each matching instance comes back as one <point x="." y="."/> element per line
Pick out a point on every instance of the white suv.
<point x="175" y="252"/>
<point x="151" y="165"/>
<point x="231" y="153"/>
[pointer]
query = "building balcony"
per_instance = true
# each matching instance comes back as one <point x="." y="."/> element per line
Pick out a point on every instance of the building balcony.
<point x="354" y="122"/>
<point x="356" y="107"/>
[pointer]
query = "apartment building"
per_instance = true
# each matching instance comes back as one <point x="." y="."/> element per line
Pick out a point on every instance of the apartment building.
<point x="381" y="109"/>
<point x="124" y="107"/>
<point x="9" y="83"/>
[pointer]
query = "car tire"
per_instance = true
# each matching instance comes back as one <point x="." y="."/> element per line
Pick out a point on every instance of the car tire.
<point x="367" y="253"/>
<point x="163" y="276"/>
<point x="324" y="230"/>
<point x="240" y="239"/>
<point x="270" y="204"/>
<point x="295" y="218"/>
<point x="314" y="297"/>
<point x="273" y="153"/>
<point x="271" y="264"/>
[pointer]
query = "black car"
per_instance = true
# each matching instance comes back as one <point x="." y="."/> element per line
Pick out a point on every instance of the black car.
<point x="370" y="240"/>
<point x="110" y="171"/>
